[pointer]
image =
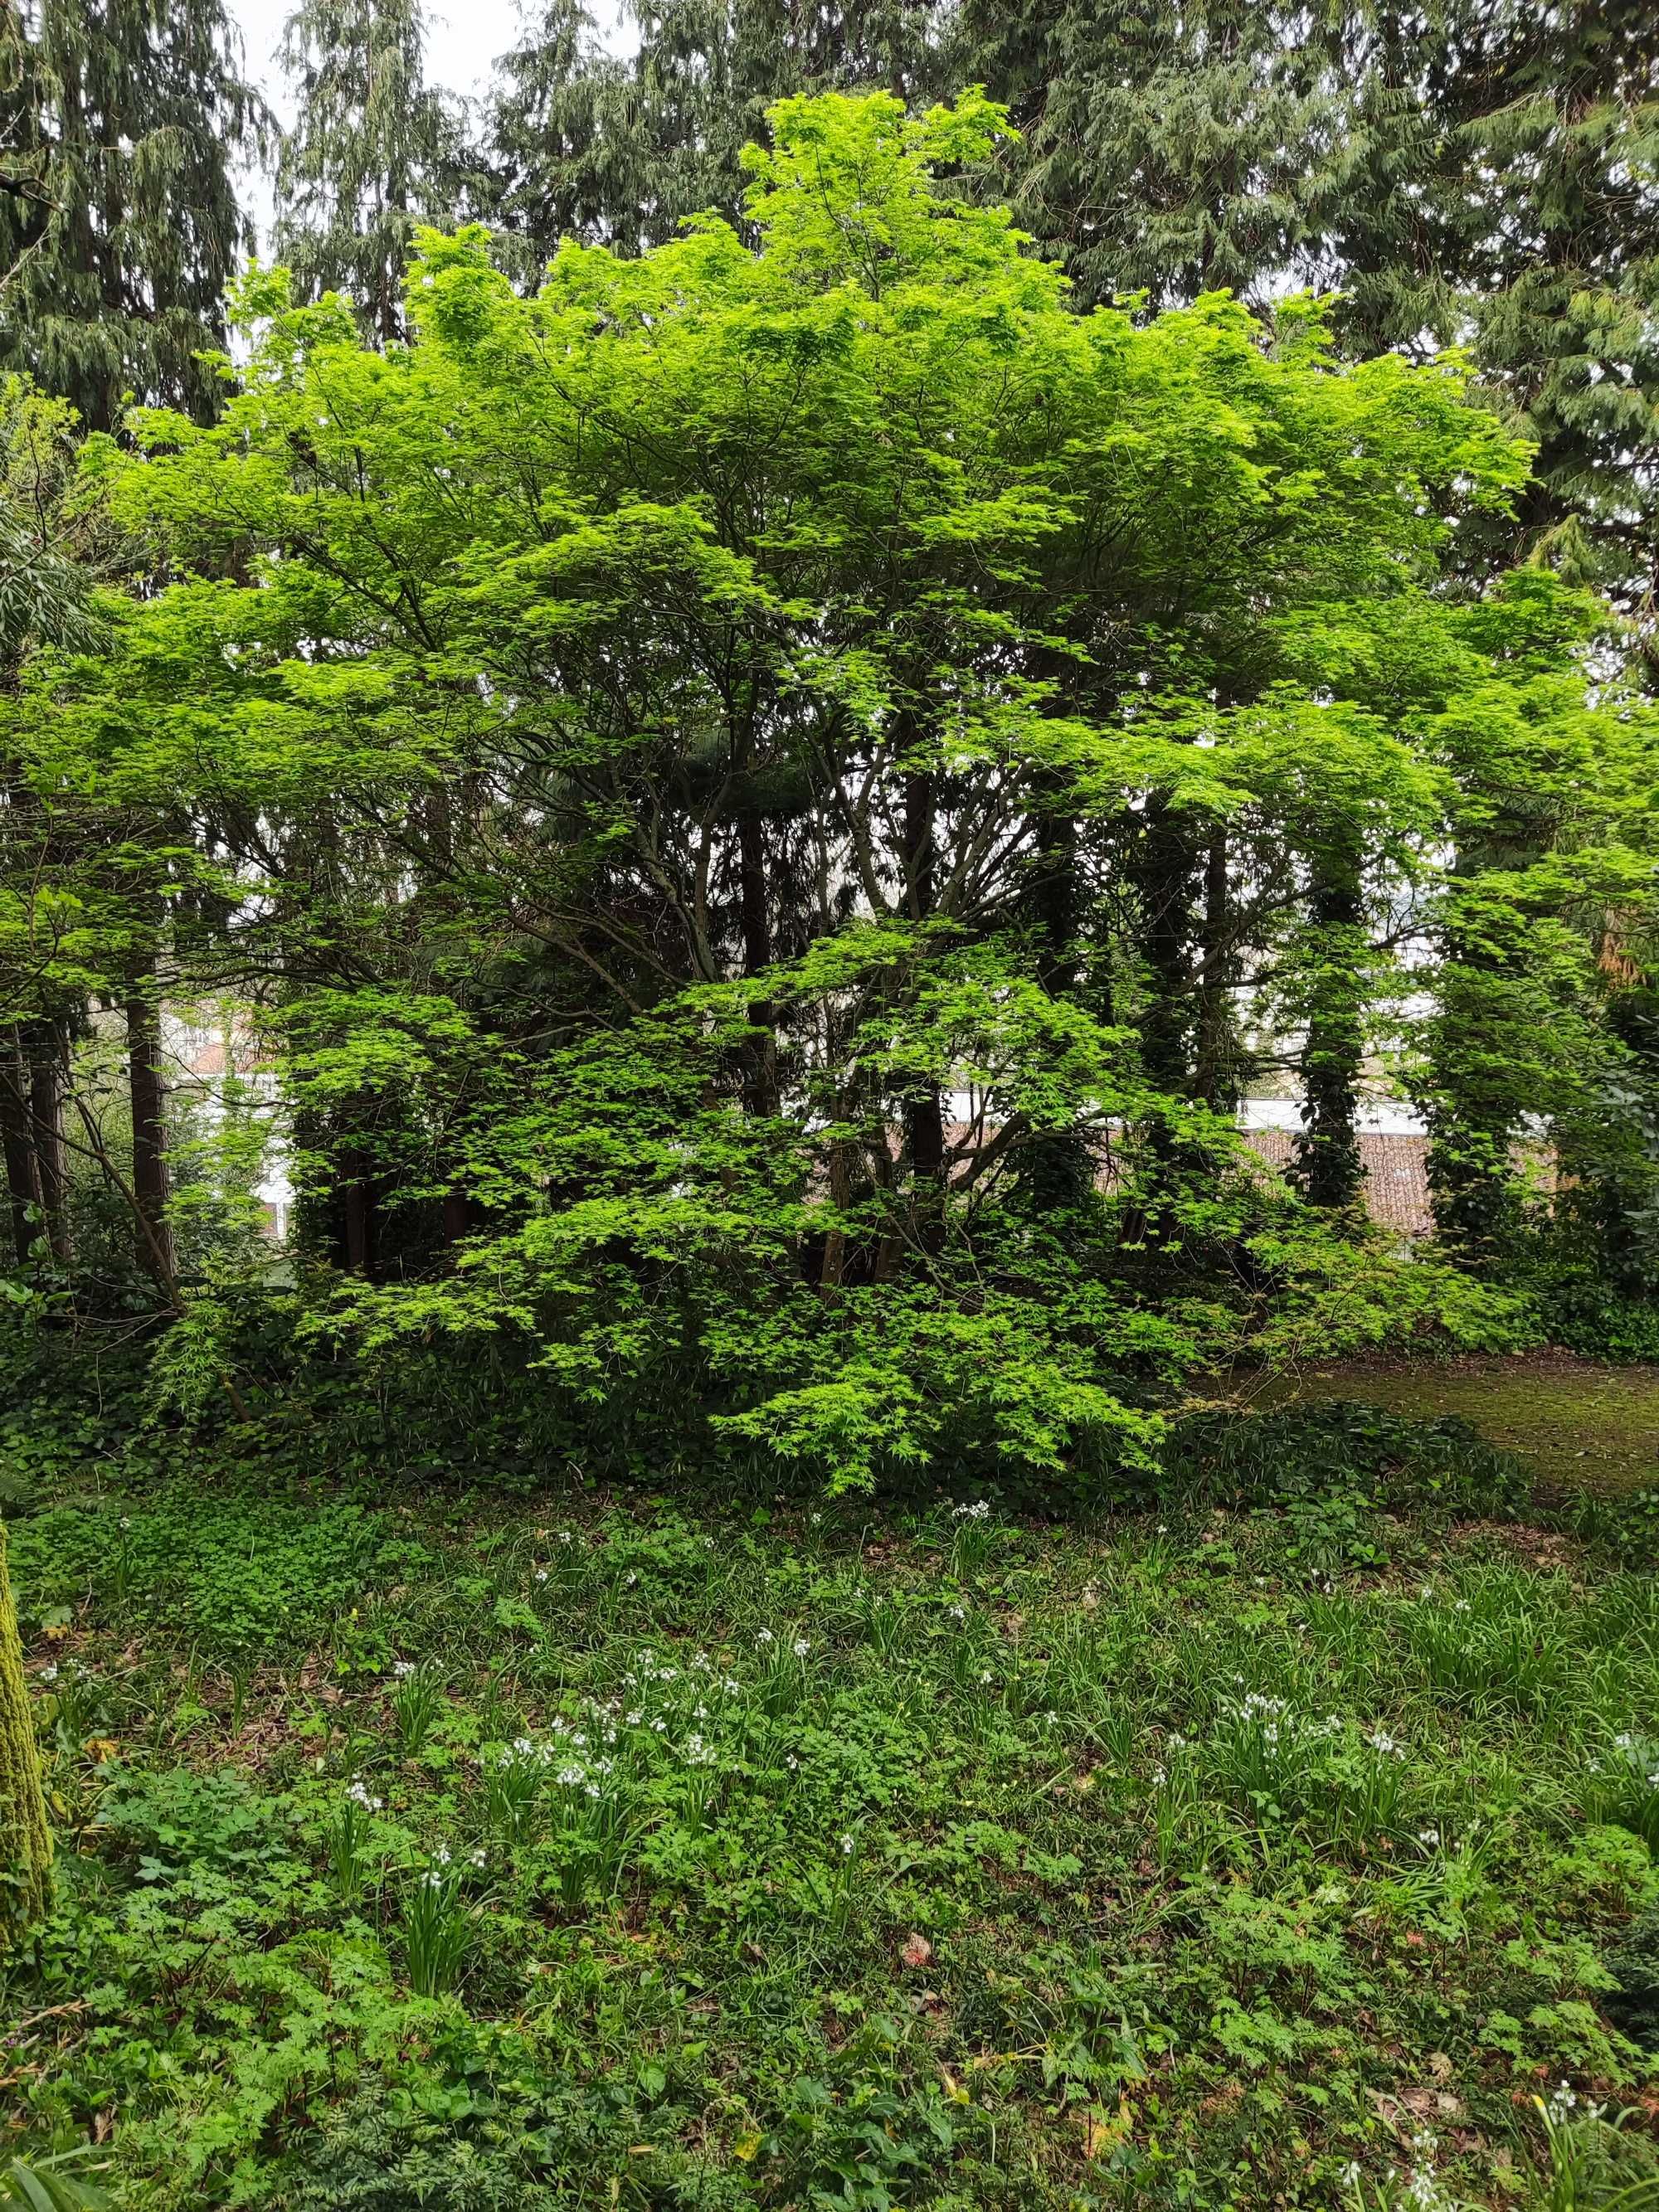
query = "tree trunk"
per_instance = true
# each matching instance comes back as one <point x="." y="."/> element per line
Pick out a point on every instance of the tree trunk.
<point x="1215" y="1068"/>
<point x="23" y="1181"/>
<point x="358" y="1205"/>
<point x="25" y="1838"/>
<point x="1056" y="1174"/>
<point x="46" y="1120"/>
<point x="1165" y="867"/>
<point x="833" y="1273"/>
<point x="924" y="1109"/>
<point x="151" y="1184"/>
<point x="1329" y="1164"/>
<point x="761" y="1053"/>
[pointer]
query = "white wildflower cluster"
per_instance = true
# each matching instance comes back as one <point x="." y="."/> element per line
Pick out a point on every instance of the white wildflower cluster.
<point x="1273" y="1721"/>
<point x="1422" y="2187"/>
<point x="1275" y="1724"/>
<point x="523" y="1754"/>
<point x="358" y="1793"/>
<point x="1640" y="1756"/>
<point x="588" y="1775"/>
<point x="979" y="1511"/>
<point x="1564" y="2102"/>
<point x="403" y="1668"/>
<point x="445" y="1866"/>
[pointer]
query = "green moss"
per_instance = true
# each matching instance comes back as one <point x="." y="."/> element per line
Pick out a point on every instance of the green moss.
<point x="1576" y="1423"/>
<point x="25" y="1839"/>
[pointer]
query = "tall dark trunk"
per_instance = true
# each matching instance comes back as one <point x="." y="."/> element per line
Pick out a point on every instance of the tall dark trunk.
<point x="151" y="1184"/>
<point x="23" y="1181"/>
<point x="924" y="1108"/>
<point x="1165" y="867"/>
<point x="46" y="1088"/>
<point x="1487" y="1007"/>
<point x="1329" y="1164"/>
<point x="1215" y="1065"/>
<point x="1057" y="1173"/>
<point x="357" y="1210"/>
<point x="761" y="1053"/>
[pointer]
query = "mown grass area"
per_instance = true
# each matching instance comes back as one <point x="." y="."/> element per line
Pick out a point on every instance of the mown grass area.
<point x="602" y="1851"/>
<point x="1576" y="1424"/>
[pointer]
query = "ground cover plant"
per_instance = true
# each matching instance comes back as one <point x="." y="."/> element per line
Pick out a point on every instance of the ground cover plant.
<point x="1278" y="1837"/>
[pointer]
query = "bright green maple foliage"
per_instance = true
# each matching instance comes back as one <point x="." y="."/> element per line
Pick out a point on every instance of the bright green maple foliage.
<point x="634" y="758"/>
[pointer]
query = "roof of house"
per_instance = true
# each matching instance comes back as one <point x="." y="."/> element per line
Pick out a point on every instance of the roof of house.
<point x="1396" y="1175"/>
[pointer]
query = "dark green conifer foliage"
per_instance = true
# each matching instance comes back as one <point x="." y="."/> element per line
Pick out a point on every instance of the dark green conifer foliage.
<point x="590" y="146"/>
<point x="1167" y="149"/>
<point x="374" y="152"/>
<point x="121" y="121"/>
<point x="1479" y="171"/>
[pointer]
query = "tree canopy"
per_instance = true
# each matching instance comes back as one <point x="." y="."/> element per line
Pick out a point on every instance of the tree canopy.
<point x="768" y="795"/>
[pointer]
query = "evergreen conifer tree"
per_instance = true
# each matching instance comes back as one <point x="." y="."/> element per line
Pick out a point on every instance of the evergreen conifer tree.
<point x="591" y="146"/>
<point x="374" y="151"/>
<point x="120" y="124"/>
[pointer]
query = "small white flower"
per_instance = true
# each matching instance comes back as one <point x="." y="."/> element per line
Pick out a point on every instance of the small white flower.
<point x="403" y="1668"/>
<point x="1429" y="1837"/>
<point x="847" y="1847"/>
<point x="765" y="1636"/>
<point x="541" y="1574"/>
<point x="49" y="1673"/>
<point x="800" y="1647"/>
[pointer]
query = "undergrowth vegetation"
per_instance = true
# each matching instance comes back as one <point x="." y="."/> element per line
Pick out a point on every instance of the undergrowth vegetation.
<point x="1281" y="1837"/>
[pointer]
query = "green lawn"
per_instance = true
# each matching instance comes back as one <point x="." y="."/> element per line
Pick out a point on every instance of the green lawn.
<point x="599" y="1853"/>
<point x="1576" y="1423"/>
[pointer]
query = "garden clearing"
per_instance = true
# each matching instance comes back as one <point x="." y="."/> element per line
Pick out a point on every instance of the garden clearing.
<point x="1576" y="1423"/>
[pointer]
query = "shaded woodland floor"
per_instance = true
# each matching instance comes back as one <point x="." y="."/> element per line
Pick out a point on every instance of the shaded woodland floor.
<point x="1577" y="1424"/>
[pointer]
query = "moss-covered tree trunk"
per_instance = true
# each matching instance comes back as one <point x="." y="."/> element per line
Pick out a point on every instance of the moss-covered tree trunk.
<point x="25" y="1839"/>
